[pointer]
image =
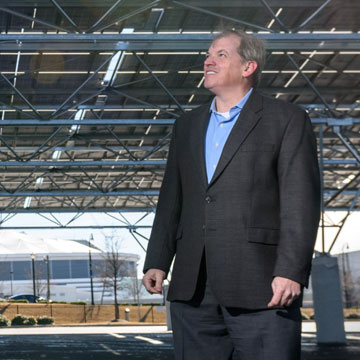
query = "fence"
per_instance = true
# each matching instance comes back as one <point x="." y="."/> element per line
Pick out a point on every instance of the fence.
<point x="82" y="314"/>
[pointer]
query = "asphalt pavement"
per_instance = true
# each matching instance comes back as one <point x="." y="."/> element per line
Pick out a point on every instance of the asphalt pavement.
<point x="131" y="342"/>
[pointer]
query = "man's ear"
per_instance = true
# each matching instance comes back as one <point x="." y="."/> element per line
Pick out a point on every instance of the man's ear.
<point x="250" y="68"/>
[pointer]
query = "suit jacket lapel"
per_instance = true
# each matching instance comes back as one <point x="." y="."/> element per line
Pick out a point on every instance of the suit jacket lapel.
<point x="198" y="132"/>
<point x="246" y="121"/>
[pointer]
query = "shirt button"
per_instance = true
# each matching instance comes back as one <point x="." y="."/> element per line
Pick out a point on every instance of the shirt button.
<point x="214" y="166"/>
<point x="208" y="199"/>
<point x="221" y="125"/>
<point x="217" y="144"/>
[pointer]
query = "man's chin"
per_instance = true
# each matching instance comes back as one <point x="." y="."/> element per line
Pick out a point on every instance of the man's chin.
<point x="209" y="87"/>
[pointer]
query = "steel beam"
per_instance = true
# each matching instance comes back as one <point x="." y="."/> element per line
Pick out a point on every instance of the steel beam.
<point x="169" y="42"/>
<point x="273" y="15"/>
<point x="109" y="210"/>
<point x="70" y="210"/>
<point x="161" y="84"/>
<point x="116" y="91"/>
<point x="109" y="11"/>
<point x="347" y="143"/>
<point x="219" y="15"/>
<point x="126" y="16"/>
<point x="348" y="121"/>
<point x="20" y="95"/>
<point x="17" y="109"/>
<point x="31" y="19"/>
<point x="66" y="16"/>
<point x="14" y="171"/>
<point x="179" y="91"/>
<point x="341" y="191"/>
<point x="341" y="209"/>
<point x="312" y="86"/>
<point x="82" y="148"/>
<point x="339" y="162"/>
<point x="102" y="210"/>
<point x="104" y="4"/>
<point x="304" y="23"/>
<point x="82" y="163"/>
<point x="132" y="156"/>
<point x="76" y="227"/>
<point x="80" y="193"/>
<point x="330" y="192"/>
<point x="88" y="122"/>
<point x="81" y="86"/>
<point x="136" y="107"/>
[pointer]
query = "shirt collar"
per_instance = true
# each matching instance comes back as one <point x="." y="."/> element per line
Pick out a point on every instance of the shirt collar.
<point x="237" y="106"/>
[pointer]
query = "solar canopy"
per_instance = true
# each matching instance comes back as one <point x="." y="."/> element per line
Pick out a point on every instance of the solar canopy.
<point x="90" y="90"/>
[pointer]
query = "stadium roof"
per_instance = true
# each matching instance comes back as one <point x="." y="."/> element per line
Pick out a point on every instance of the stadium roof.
<point x="14" y="243"/>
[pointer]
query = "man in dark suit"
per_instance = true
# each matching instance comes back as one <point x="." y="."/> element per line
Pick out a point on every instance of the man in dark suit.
<point x="239" y="207"/>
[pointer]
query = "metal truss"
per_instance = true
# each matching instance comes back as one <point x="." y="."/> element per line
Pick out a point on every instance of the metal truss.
<point x="165" y="42"/>
<point x="87" y="111"/>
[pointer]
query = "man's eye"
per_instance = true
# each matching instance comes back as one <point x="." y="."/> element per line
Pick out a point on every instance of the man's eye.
<point x="222" y="55"/>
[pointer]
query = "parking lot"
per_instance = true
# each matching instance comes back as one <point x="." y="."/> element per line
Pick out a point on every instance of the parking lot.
<point x="128" y="342"/>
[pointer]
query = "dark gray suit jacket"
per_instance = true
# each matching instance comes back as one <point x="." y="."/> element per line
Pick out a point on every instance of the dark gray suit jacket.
<point x="256" y="219"/>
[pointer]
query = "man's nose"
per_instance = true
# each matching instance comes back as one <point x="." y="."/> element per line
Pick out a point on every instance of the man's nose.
<point x="209" y="60"/>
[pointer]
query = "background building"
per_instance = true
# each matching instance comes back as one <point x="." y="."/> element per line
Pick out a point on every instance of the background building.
<point x="68" y="269"/>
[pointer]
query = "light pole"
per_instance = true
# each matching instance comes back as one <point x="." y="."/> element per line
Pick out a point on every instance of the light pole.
<point x="91" y="271"/>
<point x="11" y="282"/>
<point x="47" y="261"/>
<point x="137" y="291"/>
<point x="33" y="273"/>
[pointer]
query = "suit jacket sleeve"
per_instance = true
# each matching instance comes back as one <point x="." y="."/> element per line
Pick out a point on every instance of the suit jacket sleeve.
<point x="299" y="188"/>
<point x="162" y="243"/>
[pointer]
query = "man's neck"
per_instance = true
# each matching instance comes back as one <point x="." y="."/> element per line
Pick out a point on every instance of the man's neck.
<point x="225" y="101"/>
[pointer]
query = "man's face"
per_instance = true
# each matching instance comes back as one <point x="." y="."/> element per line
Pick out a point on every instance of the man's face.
<point x="223" y="66"/>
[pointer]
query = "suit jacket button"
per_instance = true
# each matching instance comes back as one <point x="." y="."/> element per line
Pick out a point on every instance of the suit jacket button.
<point x="208" y="199"/>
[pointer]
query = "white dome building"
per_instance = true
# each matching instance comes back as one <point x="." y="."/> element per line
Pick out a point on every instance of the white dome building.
<point x="68" y="269"/>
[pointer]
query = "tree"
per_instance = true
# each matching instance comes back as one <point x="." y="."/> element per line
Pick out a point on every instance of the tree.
<point x="114" y="270"/>
<point x="351" y="290"/>
<point x="40" y="278"/>
<point x="134" y="288"/>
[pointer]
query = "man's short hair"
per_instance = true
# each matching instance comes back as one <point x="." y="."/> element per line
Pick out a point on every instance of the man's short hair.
<point x="251" y="49"/>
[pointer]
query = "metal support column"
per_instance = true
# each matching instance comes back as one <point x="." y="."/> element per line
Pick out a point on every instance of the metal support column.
<point x="329" y="314"/>
<point x="91" y="271"/>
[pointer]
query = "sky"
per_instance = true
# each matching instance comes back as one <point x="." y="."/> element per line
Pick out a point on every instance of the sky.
<point x="348" y="240"/>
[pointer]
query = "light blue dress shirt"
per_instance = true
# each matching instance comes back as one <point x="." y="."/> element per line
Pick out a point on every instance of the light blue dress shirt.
<point x="219" y="128"/>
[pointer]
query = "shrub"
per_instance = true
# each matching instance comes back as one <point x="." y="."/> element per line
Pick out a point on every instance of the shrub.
<point x="23" y="301"/>
<point x="304" y="316"/>
<point x="352" y="316"/>
<point x="59" y="302"/>
<point x="4" y="321"/>
<point x="30" y="321"/>
<point x="45" y="320"/>
<point x="23" y="320"/>
<point x="18" y="320"/>
<point x="152" y="304"/>
<point x="78" y="303"/>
